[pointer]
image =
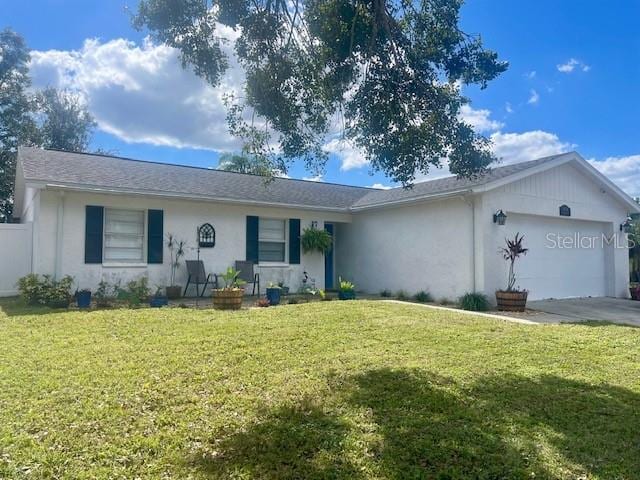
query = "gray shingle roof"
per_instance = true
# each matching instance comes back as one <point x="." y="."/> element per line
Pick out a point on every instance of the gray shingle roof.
<point x="100" y="171"/>
<point x="447" y="184"/>
<point x="107" y="172"/>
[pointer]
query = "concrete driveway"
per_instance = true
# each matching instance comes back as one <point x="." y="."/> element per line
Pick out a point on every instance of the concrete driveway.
<point x="614" y="310"/>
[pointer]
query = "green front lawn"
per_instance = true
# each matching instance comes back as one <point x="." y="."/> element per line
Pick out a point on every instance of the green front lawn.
<point x="323" y="390"/>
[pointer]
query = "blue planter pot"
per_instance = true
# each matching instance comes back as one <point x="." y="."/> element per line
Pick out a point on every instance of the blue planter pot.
<point x="83" y="299"/>
<point x="273" y="295"/>
<point x="157" y="302"/>
<point x="346" y="295"/>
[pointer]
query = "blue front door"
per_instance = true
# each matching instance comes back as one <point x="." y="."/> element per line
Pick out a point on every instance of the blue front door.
<point x="328" y="260"/>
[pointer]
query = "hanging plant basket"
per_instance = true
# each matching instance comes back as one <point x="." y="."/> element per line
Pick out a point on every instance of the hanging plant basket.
<point x="316" y="240"/>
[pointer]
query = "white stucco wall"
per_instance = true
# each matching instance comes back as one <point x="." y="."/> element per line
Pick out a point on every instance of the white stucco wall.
<point x="180" y="218"/>
<point x="532" y="207"/>
<point x="420" y="247"/>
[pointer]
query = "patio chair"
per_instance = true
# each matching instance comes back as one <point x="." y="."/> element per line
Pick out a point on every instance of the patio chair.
<point x="197" y="275"/>
<point x="248" y="274"/>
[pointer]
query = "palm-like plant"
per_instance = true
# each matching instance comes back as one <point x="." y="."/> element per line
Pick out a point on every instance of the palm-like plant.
<point x="176" y="248"/>
<point x="513" y="250"/>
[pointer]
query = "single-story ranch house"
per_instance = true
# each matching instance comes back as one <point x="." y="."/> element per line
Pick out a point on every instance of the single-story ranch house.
<point x="101" y="217"/>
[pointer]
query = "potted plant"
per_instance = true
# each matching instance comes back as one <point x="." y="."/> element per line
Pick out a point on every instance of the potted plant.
<point x="512" y="299"/>
<point x="158" y="300"/>
<point x="229" y="297"/>
<point x="83" y="298"/>
<point x="176" y="249"/>
<point x="273" y="294"/>
<point x="634" y="290"/>
<point x="315" y="240"/>
<point x="284" y="290"/>
<point x="346" y="290"/>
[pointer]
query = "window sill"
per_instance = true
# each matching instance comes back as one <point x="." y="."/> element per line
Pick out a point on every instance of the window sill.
<point x="124" y="265"/>
<point x="273" y="264"/>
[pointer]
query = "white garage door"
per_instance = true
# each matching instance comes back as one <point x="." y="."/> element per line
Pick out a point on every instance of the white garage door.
<point x="566" y="257"/>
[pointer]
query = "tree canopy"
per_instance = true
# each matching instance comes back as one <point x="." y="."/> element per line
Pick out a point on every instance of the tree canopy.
<point x="49" y="118"/>
<point x="387" y="72"/>
<point x="234" y="162"/>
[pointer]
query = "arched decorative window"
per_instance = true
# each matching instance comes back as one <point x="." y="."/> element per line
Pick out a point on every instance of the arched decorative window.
<point x="565" y="211"/>
<point x="206" y="236"/>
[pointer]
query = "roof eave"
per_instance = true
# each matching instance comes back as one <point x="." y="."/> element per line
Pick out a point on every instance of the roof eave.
<point x="181" y="196"/>
<point x="413" y="200"/>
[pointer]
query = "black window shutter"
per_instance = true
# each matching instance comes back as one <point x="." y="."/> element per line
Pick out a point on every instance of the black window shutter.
<point x="294" y="241"/>
<point x="94" y="220"/>
<point x="252" y="239"/>
<point x="155" y="239"/>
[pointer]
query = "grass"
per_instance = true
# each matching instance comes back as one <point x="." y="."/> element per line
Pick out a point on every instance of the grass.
<point x="354" y="389"/>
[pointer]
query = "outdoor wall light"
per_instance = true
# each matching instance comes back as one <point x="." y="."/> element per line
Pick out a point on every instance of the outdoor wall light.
<point x="627" y="225"/>
<point x="500" y="217"/>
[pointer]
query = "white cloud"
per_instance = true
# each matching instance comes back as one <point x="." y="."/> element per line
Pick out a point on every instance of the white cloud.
<point x="380" y="186"/>
<point x="534" y="98"/>
<point x="571" y="64"/>
<point x="350" y="155"/>
<point x="141" y="93"/>
<point x="479" y="119"/>
<point x="530" y="75"/>
<point x="519" y="147"/>
<point x="624" y="171"/>
<point x="316" y="178"/>
<point x="508" y="108"/>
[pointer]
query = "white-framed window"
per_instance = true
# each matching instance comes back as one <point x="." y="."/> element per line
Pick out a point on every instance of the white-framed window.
<point x="123" y="236"/>
<point x="272" y="240"/>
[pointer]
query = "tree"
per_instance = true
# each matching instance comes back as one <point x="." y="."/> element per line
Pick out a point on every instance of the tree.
<point x="389" y="72"/>
<point x="233" y="162"/>
<point x="16" y="123"/>
<point x="49" y="119"/>
<point x="66" y="123"/>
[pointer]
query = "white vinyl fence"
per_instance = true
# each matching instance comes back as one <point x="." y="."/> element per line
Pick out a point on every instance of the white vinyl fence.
<point x="15" y="255"/>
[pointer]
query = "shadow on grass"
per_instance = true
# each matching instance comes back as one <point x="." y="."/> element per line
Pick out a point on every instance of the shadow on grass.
<point x="600" y="323"/>
<point x="435" y="428"/>
<point x="290" y="442"/>
<point x="15" y="306"/>
<point x="428" y="426"/>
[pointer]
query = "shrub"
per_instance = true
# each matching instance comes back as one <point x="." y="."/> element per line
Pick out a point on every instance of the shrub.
<point x="30" y="288"/>
<point x="476" y="302"/>
<point x="402" y="295"/>
<point x="57" y="293"/>
<point x="385" y="293"/>
<point x="45" y="291"/>
<point x="135" y="293"/>
<point x="262" y="302"/>
<point x="423" y="297"/>
<point x="105" y="294"/>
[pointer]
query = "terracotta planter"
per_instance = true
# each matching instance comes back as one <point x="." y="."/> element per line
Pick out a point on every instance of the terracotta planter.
<point x="174" y="292"/>
<point x="227" y="299"/>
<point x="511" y="301"/>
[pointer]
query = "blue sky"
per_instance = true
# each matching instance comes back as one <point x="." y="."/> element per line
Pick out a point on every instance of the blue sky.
<point x="573" y="83"/>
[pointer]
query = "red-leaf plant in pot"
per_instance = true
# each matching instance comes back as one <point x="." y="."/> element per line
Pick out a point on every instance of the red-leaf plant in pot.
<point x="512" y="299"/>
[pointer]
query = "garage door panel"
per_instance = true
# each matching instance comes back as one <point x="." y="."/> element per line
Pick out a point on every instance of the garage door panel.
<point x="566" y="257"/>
